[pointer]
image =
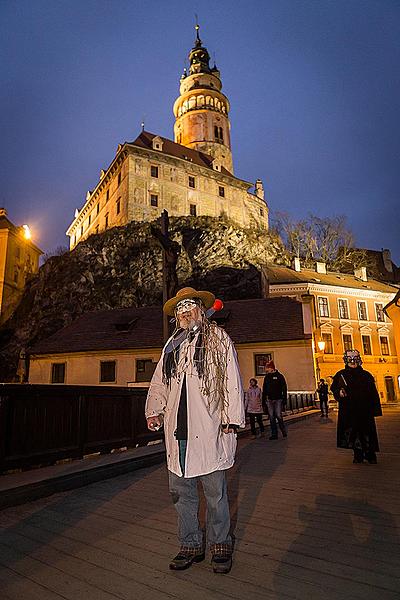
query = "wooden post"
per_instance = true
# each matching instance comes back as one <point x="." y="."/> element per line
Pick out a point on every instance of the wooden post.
<point x="164" y="231"/>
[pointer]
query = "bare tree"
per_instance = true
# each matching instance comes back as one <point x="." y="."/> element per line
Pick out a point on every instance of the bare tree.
<point x="324" y="239"/>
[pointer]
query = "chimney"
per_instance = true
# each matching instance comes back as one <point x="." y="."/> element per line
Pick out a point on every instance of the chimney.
<point x="320" y="267"/>
<point x="387" y="260"/>
<point x="296" y="264"/>
<point x="259" y="189"/>
<point x="361" y="273"/>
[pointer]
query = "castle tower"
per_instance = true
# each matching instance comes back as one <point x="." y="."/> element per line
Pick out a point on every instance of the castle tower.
<point x="201" y="111"/>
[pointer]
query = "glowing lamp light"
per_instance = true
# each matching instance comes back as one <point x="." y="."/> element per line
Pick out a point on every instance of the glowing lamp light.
<point x="27" y="232"/>
<point x="321" y="345"/>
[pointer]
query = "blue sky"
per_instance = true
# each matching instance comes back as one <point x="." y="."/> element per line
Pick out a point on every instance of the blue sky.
<point x="313" y="86"/>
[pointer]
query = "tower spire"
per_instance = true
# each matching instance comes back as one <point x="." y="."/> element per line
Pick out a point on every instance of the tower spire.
<point x="197" y="28"/>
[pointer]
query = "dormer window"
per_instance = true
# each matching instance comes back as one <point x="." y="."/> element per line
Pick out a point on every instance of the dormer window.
<point x="157" y="143"/>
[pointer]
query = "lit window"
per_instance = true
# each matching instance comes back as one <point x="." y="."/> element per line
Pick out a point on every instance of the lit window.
<point x="343" y="309"/>
<point x="384" y="345"/>
<point x="362" y="311"/>
<point x="323" y="307"/>
<point x="380" y="315"/>
<point x="193" y="210"/>
<point x="221" y="191"/>
<point x="191" y="182"/>
<point x="154" y="171"/>
<point x="145" y="369"/>
<point x="347" y="342"/>
<point x="327" y="338"/>
<point x="153" y="199"/>
<point x="58" y="373"/>
<point x="107" y="371"/>
<point x="366" y="343"/>
<point x="118" y="206"/>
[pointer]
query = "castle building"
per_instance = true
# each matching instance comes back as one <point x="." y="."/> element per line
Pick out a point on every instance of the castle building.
<point x="192" y="175"/>
<point x="19" y="259"/>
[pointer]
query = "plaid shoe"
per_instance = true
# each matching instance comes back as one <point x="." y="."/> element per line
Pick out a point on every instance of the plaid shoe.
<point x="186" y="557"/>
<point x="221" y="560"/>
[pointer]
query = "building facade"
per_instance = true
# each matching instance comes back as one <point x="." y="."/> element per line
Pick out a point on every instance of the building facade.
<point x="192" y="175"/>
<point x="19" y="260"/>
<point x="348" y="312"/>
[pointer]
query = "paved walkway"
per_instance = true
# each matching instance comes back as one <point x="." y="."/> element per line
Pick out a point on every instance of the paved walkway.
<point x="308" y="523"/>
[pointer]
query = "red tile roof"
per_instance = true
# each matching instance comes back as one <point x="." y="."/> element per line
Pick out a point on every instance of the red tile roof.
<point x="246" y="321"/>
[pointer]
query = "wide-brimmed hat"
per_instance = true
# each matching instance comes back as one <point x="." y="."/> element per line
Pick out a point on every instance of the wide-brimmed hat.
<point x="186" y="293"/>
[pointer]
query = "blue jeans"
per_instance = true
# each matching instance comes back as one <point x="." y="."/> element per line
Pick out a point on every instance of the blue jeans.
<point x="275" y="414"/>
<point x="185" y="497"/>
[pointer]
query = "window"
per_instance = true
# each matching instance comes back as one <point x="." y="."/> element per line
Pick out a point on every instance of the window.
<point x="384" y="345"/>
<point x="106" y="221"/>
<point x="261" y="212"/>
<point x="89" y="220"/>
<point x="107" y="371"/>
<point x="145" y="369"/>
<point x="97" y="229"/>
<point x="218" y="134"/>
<point x="107" y="195"/>
<point x="58" y="373"/>
<point x="380" y="315"/>
<point x="327" y="338"/>
<point x="154" y="171"/>
<point x="347" y="342"/>
<point x="221" y="191"/>
<point x="191" y="182"/>
<point x="118" y="206"/>
<point x="119" y="178"/>
<point x="366" y="343"/>
<point x="153" y="199"/>
<point x="81" y="230"/>
<point x="260" y="361"/>
<point x="323" y="307"/>
<point x="343" y="308"/>
<point x="362" y="311"/>
<point x="18" y="252"/>
<point x="97" y="208"/>
<point x="193" y="210"/>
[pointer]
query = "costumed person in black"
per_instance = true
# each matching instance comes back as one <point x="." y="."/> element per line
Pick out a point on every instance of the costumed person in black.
<point x="274" y="396"/>
<point x="322" y="391"/>
<point x="359" y="403"/>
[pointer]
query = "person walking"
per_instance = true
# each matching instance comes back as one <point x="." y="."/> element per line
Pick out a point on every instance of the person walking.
<point x="196" y="391"/>
<point x="322" y="391"/>
<point x="254" y="407"/>
<point x="274" y="396"/>
<point x="359" y="404"/>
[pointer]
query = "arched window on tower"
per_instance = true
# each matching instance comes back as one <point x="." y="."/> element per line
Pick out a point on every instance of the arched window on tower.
<point x="218" y="134"/>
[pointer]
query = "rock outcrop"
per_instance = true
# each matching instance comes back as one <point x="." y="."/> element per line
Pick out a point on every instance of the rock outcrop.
<point x="122" y="267"/>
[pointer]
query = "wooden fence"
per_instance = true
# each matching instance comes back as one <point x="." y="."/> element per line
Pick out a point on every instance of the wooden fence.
<point x="40" y="424"/>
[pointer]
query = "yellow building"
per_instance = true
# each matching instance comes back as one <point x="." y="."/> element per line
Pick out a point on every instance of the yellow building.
<point x="348" y="312"/>
<point x="122" y="347"/>
<point x="192" y="175"/>
<point x="19" y="259"/>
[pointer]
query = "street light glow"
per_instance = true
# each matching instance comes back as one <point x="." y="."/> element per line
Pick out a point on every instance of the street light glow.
<point x="27" y="232"/>
<point x="321" y="345"/>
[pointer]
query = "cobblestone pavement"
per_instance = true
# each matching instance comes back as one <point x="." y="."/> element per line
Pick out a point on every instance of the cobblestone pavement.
<point x="308" y="525"/>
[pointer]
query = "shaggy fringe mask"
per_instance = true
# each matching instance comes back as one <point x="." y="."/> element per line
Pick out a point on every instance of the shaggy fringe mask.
<point x="210" y="361"/>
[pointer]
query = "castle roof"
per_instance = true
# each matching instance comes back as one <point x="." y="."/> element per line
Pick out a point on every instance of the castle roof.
<point x="145" y="140"/>
<point x="246" y="321"/>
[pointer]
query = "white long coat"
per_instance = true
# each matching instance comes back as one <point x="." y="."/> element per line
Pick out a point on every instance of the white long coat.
<point x="208" y="448"/>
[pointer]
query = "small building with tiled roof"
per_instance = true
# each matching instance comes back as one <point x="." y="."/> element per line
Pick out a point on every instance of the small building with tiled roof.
<point x="348" y="312"/>
<point x="192" y="175"/>
<point x="122" y="346"/>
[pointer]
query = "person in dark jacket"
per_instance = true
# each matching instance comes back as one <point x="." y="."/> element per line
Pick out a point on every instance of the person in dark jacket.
<point x="359" y="404"/>
<point x="274" y="397"/>
<point x="322" y="391"/>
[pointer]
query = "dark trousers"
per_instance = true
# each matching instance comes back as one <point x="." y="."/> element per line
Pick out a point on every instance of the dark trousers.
<point x="323" y="404"/>
<point x="253" y="417"/>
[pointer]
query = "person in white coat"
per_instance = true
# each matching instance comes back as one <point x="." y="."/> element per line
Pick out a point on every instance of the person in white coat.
<point x="196" y="392"/>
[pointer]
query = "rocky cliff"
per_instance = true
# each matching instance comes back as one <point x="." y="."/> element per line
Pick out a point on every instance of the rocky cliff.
<point x="123" y="267"/>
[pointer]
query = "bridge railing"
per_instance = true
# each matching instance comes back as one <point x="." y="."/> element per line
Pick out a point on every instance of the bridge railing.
<point x="41" y="424"/>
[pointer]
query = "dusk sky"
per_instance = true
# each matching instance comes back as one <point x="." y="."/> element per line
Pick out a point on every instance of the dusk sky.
<point x="314" y="88"/>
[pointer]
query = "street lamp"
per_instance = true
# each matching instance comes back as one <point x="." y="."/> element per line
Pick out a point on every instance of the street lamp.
<point x="321" y="346"/>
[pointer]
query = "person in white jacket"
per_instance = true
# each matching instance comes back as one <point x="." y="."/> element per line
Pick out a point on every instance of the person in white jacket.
<point x="196" y="392"/>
